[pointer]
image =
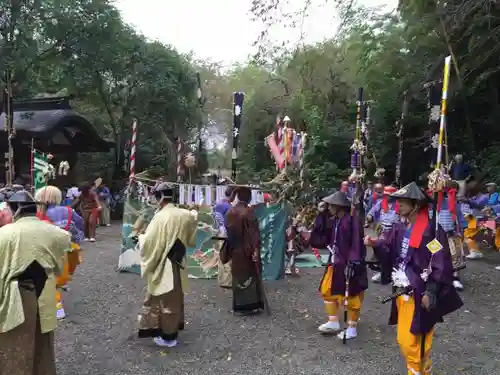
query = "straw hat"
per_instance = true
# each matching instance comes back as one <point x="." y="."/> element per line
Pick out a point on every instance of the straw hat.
<point x="337" y="199"/>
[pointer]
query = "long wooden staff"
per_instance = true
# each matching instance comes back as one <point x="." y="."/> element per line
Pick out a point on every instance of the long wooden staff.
<point x="400" y="134"/>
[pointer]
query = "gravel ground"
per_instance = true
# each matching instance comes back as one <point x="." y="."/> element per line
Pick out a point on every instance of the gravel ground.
<point x="99" y="334"/>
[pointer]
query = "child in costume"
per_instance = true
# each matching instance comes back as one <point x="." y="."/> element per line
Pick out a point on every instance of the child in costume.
<point x="418" y="254"/>
<point x="50" y="210"/>
<point x="343" y="238"/>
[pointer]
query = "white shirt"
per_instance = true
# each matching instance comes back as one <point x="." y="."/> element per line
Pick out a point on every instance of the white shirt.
<point x="405" y="245"/>
<point x="73" y="192"/>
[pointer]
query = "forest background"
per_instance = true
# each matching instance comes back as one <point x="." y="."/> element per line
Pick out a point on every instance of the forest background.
<point x="83" y="48"/>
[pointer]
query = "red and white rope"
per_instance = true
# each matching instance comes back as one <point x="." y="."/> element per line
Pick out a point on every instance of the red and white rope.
<point x="133" y="150"/>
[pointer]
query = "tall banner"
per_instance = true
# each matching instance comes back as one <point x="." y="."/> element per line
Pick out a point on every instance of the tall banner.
<point x="40" y="167"/>
<point x="202" y="260"/>
<point x="237" y="113"/>
<point x="272" y="225"/>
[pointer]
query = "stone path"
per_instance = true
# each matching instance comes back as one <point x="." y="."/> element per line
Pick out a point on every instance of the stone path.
<point x="99" y="335"/>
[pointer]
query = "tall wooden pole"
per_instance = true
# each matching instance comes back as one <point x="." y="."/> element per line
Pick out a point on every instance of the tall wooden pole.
<point x="9" y="128"/>
<point x="400" y="124"/>
<point x="238" y="98"/>
<point x="357" y="158"/>
<point x="201" y="102"/>
<point x="442" y="124"/>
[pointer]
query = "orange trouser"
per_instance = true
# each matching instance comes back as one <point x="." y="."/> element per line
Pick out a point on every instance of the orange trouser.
<point x="497" y="239"/>
<point x="334" y="302"/>
<point x="470" y="233"/>
<point x="73" y="259"/>
<point x="410" y="344"/>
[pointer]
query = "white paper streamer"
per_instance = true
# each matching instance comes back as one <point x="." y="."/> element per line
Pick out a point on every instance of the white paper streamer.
<point x="198" y="195"/>
<point x="220" y="193"/>
<point x="189" y="199"/>
<point x="255" y="194"/>
<point x="260" y="197"/>
<point x="182" y="194"/>
<point x="208" y="195"/>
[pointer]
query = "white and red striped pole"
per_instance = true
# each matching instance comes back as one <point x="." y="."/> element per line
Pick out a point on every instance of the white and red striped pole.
<point x="179" y="160"/>
<point x="133" y="150"/>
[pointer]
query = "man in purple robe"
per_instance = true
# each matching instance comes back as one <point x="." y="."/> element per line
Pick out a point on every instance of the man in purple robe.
<point x="342" y="236"/>
<point x="418" y="255"/>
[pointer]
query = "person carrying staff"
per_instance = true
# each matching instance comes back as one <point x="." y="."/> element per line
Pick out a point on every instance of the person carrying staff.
<point x="347" y="253"/>
<point x="418" y="255"/>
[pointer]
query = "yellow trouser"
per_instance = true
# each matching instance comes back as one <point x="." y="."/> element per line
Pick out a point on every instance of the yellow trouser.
<point x="410" y="344"/>
<point x="497" y="239"/>
<point x="354" y="303"/>
<point x="333" y="302"/>
<point x="470" y="233"/>
<point x="73" y="259"/>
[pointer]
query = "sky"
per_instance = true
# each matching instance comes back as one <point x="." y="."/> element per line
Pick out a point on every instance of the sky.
<point x="222" y="30"/>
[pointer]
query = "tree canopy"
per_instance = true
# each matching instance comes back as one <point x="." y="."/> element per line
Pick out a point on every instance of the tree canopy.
<point x="83" y="48"/>
<point x="388" y="55"/>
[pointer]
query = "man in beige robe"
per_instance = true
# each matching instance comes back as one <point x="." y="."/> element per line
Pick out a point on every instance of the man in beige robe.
<point x="163" y="254"/>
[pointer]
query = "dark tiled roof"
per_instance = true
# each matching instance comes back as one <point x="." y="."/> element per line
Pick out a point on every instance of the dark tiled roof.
<point x="46" y="123"/>
<point x="41" y="121"/>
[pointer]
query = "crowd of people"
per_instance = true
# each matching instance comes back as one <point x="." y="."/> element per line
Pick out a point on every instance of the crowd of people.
<point x="40" y="249"/>
<point x="419" y="246"/>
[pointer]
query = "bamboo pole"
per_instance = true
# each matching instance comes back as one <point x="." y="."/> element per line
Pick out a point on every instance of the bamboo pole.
<point x="442" y="123"/>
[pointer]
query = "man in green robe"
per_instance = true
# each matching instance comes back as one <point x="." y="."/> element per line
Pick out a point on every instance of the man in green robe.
<point x="32" y="254"/>
<point x="163" y="253"/>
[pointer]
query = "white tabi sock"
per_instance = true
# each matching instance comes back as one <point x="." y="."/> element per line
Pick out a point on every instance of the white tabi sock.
<point x="165" y="343"/>
<point x="331" y="325"/>
<point x="351" y="333"/>
<point x="60" y="313"/>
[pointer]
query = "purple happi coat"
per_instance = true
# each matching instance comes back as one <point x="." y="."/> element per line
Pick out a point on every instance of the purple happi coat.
<point x="219" y="213"/>
<point x="387" y="249"/>
<point x="59" y="216"/>
<point x="321" y="231"/>
<point x="345" y="236"/>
